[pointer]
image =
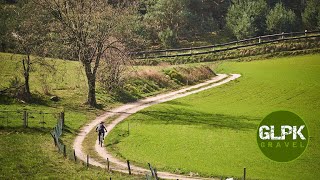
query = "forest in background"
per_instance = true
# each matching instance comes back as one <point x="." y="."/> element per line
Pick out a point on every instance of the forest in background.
<point x="100" y="33"/>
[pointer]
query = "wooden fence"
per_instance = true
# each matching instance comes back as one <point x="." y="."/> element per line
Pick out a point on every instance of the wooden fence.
<point x="167" y="53"/>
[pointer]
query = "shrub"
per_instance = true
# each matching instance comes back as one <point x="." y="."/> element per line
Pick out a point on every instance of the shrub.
<point x="175" y="76"/>
<point x="189" y="75"/>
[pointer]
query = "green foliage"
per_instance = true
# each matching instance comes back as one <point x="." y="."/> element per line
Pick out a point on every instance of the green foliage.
<point x="168" y="17"/>
<point x="218" y="126"/>
<point x="189" y="75"/>
<point x="174" y="75"/>
<point x="280" y="19"/>
<point x="168" y="38"/>
<point x="246" y="18"/>
<point x="311" y="15"/>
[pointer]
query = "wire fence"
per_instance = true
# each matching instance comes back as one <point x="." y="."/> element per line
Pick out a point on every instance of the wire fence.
<point x="57" y="132"/>
<point x="191" y="51"/>
<point x="27" y="118"/>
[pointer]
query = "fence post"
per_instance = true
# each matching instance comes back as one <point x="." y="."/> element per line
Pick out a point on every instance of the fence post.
<point x="64" y="151"/>
<point x="54" y="139"/>
<point x="282" y="37"/>
<point x="128" y="163"/>
<point x="259" y="39"/>
<point x="25" y="117"/>
<point x="305" y="33"/>
<point x="62" y="119"/>
<point x="155" y="174"/>
<point x="151" y="169"/>
<point x="108" y="164"/>
<point x="128" y="128"/>
<point x="74" y="156"/>
<point x="244" y="173"/>
<point x="87" y="160"/>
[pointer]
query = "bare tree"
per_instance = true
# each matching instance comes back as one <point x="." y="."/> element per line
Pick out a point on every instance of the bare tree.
<point x="86" y="28"/>
<point x="111" y="74"/>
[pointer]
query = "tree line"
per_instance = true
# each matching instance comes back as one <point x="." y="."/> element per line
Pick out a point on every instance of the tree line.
<point x="98" y="33"/>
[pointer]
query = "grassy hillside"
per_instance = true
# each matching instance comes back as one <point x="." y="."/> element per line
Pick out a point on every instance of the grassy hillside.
<point x="30" y="153"/>
<point x="213" y="133"/>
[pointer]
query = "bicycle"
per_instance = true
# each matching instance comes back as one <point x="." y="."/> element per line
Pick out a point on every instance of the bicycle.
<point x="101" y="139"/>
<point x="101" y="129"/>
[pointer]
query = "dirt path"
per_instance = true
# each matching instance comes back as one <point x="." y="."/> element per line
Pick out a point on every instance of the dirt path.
<point x="126" y="110"/>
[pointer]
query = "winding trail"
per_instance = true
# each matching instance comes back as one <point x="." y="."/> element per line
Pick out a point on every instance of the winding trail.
<point x="126" y="110"/>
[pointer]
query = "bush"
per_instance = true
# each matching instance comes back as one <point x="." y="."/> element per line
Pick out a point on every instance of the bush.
<point x="175" y="76"/>
<point x="189" y="75"/>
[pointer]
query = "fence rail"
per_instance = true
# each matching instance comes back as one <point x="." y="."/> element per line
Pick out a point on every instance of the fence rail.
<point x="167" y="53"/>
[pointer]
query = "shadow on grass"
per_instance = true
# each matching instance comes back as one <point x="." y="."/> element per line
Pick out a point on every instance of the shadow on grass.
<point x="180" y="116"/>
<point x="177" y="103"/>
<point x="29" y="130"/>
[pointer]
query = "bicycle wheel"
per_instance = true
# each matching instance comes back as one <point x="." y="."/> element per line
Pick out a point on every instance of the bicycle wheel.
<point x="101" y="139"/>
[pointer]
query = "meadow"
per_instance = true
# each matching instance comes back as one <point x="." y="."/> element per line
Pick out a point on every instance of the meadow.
<point x="213" y="133"/>
<point x="30" y="153"/>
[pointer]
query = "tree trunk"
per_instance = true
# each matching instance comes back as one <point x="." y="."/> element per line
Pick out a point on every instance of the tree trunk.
<point x="26" y="68"/>
<point x="92" y="86"/>
<point x="26" y="86"/>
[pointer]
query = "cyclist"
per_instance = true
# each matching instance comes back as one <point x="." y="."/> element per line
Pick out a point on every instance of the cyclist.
<point x="101" y="129"/>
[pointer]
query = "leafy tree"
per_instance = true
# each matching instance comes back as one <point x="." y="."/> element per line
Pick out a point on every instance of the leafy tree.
<point x="295" y="5"/>
<point x="246" y="18"/>
<point x="311" y="14"/>
<point x="166" y="16"/>
<point x="280" y="19"/>
<point x="210" y="13"/>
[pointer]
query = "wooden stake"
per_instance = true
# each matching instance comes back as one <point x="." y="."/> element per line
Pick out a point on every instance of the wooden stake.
<point x="129" y="167"/>
<point x="87" y="161"/>
<point x="64" y="151"/>
<point x="74" y="156"/>
<point x="108" y="163"/>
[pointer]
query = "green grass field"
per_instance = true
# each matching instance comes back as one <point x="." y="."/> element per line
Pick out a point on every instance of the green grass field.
<point x="213" y="133"/>
<point x="30" y="153"/>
